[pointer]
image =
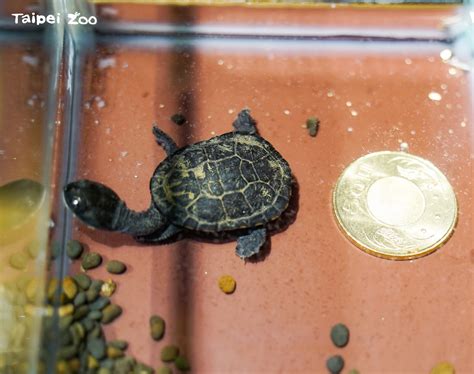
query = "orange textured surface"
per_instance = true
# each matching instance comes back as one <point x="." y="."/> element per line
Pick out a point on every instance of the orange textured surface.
<point x="404" y="317"/>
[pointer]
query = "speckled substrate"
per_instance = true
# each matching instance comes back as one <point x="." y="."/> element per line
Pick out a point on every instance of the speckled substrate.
<point x="368" y="97"/>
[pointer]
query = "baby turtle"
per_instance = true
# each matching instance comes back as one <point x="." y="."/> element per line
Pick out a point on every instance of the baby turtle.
<point x="232" y="181"/>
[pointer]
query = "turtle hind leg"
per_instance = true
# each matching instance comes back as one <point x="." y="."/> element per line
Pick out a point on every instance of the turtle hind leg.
<point x="160" y="236"/>
<point x="244" y="123"/>
<point x="250" y="244"/>
<point x="164" y="141"/>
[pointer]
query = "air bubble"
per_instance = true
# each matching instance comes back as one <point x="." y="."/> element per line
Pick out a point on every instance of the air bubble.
<point x="446" y="54"/>
<point x="435" y="96"/>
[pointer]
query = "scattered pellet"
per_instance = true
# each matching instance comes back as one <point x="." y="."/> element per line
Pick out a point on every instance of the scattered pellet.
<point x="335" y="364"/>
<point x="227" y="284"/>
<point x="108" y="288"/>
<point x="74" y="364"/>
<point x="74" y="249"/>
<point x="100" y="303"/>
<point x="96" y="348"/>
<point x="107" y="363"/>
<point x="157" y="327"/>
<point x="141" y="368"/>
<point x="169" y="353"/>
<point x="31" y="290"/>
<point x="164" y="370"/>
<point x="52" y="287"/>
<point x="92" y="294"/>
<point x="353" y="371"/>
<point x="124" y="365"/>
<point x="62" y="367"/>
<point x="312" y="124"/>
<point x="78" y="332"/>
<point x="182" y="363"/>
<point x="81" y="312"/>
<point x="110" y="312"/>
<point x="65" y="322"/>
<point x="116" y="267"/>
<point x="80" y="299"/>
<point x="83" y="280"/>
<point x="91" y="260"/>
<point x="55" y="250"/>
<point x="95" y="315"/>
<point x="92" y="362"/>
<point x="97" y="284"/>
<point x="22" y="281"/>
<point x="114" y="352"/>
<point x="96" y="331"/>
<point x="120" y="344"/>
<point x="18" y="260"/>
<point x="340" y="335"/>
<point x="65" y="310"/>
<point x="88" y="324"/>
<point x="178" y="118"/>
<point x="69" y="287"/>
<point x="68" y="352"/>
<point x="33" y="249"/>
<point x="443" y="368"/>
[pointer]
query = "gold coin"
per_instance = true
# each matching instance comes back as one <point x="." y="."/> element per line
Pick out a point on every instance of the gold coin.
<point x="395" y="205"/>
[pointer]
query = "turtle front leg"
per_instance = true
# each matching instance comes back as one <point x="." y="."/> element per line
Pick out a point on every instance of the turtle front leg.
<point x="164" y="141"/>
<point x="250" y="244"/>
<point x="244" y="123"/>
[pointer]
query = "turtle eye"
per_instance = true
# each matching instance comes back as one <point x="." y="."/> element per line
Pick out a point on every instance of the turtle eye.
<point x="75" y="197"/>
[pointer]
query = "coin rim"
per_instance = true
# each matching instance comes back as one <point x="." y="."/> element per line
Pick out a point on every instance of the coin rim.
<point x="376" y="253"/>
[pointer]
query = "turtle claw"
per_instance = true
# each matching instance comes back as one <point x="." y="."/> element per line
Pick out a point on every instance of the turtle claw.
<point x="93" y="203"/>
<point x="244" y="123"/>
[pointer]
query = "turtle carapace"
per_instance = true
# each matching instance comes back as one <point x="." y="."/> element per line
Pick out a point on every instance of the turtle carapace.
<point x="234" y="181"/>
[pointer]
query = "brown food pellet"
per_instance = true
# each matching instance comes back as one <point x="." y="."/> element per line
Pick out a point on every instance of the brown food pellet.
<point x="157" y="327"/>
<point x="312" y="124"/>
<point x="182" y="363"/>
<point x="164" y="370"/>
<point x="116" y="267"/>
<point x="31" y="290"/>
<point x="33" y="249"/>
<point x="110" y="312"/>
<point x="18" y="260"/>
<point x="74" y="249"/>
<point x="52" y="287"/>
<point x="83" y="280"/>
<point x="169" y="353"/>
<point x="69" y="288"/>
<point x="108" y="288"/>
<point x="178" y="118"/>
<point x="91" y="260"/>
<point x="443" y="368"/>
<point x="114" y="352"/>
<point x="227" y="284"/>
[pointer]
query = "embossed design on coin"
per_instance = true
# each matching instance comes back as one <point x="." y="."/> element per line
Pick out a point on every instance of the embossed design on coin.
<point x="395" y="205"/>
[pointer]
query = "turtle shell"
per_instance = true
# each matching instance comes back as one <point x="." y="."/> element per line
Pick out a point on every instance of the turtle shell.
<point x="228" y="182"/>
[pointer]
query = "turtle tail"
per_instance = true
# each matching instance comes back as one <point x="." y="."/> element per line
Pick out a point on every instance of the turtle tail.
<point x="100" y="207"/>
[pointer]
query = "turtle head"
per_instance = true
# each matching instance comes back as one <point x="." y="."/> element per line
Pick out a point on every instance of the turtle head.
<point x="93" y="203"/>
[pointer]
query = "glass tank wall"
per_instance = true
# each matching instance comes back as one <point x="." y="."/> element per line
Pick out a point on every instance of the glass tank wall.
<point x="29" y="76"/>
<point x="378" y="78"/>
